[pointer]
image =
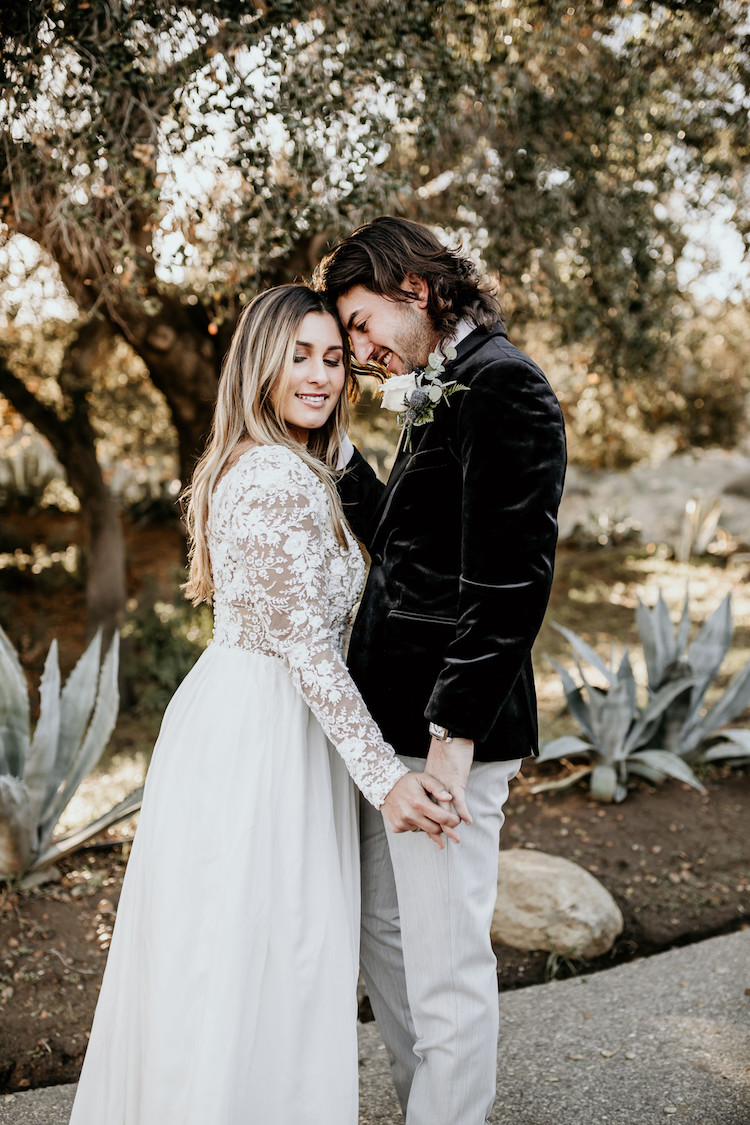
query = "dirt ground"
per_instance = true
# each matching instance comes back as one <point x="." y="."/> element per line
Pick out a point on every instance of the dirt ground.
<point x="676" y="861"/>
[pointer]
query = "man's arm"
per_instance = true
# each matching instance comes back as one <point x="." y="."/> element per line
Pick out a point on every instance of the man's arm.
<point x="512" y="448"/>
<point x="360" y="492"/>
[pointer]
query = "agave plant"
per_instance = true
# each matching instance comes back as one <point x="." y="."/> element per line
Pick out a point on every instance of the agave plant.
<point x="617" y="733"/>
<point x="687" y="723"/>
<point x="40" y="774"/>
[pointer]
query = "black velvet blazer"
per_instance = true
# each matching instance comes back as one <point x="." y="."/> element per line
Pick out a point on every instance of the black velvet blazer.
<point x="462" y="542"/>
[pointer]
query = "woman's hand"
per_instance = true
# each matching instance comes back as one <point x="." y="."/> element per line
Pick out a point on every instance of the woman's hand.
<point x="410" y="807"/>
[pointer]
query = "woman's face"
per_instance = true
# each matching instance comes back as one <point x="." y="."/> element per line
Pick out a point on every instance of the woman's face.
<point x="317" y="377"/>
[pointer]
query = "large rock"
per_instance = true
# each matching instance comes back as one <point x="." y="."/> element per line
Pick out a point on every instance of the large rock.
<point x="545" y="902"/>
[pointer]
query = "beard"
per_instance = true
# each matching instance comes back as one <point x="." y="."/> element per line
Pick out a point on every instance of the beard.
<point x="415" y="339"/>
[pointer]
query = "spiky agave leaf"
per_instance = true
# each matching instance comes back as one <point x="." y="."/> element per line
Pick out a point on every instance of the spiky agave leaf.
<point x="626" y="676"/>
<point x="734" y="747"/>
<point x="605" y="784"/>
<point x="657" y="637"/>
<point x="566" y="746"/>
<point x="17" y="835"/>
<point x="670" y="728"/>
<point x="683" y="631"/>
<point x="574" y="696"/>
<point x="15" y="724"/>
<point x="585" y="651"/>
<point x="78" y="836"/>
<point x="732" y="703"/>
<point x="43" y="750"/>
<point x="668" y="764"/>
<point x="706" y="653"/>
<point x="612" y="714"/>
<point x="97" y="735"/>
<point x="76" y="704"/>
<point x="649" y="718"/>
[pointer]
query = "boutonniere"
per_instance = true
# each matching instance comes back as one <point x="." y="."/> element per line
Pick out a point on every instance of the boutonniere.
<point x="417" y="395"/>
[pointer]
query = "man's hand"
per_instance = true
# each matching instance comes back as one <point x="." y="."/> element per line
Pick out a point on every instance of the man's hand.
<point x="451" y="762"/>
<point x="409" y="808"/>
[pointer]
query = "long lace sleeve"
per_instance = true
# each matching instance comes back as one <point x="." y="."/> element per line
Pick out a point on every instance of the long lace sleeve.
<point x="278" y="529"/>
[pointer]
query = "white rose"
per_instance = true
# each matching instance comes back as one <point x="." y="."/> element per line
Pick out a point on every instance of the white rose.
<point x="396" y="389"/>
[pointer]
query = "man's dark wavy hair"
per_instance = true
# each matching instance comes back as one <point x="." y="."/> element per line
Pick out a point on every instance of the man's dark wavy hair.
<point x="380" y="254"/>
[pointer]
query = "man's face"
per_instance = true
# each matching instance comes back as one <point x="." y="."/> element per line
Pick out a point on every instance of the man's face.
<point x="397" y="334"/>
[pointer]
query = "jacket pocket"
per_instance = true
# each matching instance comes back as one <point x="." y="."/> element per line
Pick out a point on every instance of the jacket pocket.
<point x="415" y="634"/>
<point x="399" y="615"/>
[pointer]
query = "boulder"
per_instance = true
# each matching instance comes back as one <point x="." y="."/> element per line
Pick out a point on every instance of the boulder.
<point x="546" y="902"/>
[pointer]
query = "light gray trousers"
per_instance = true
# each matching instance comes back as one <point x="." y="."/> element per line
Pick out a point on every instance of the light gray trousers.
<point x="426" y="955"/>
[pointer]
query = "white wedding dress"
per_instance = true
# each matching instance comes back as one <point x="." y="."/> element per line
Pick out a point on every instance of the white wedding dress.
<point x="229" y="996"/>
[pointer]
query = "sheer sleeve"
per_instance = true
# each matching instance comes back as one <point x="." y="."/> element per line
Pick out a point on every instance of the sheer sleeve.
<point x="279" y="527"/>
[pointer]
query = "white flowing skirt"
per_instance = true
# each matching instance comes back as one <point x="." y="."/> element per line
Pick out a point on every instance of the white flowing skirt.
<point x="229" y="996"/>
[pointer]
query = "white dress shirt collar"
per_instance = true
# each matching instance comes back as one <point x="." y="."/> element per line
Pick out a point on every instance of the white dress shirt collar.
<point x="463" y="329"/>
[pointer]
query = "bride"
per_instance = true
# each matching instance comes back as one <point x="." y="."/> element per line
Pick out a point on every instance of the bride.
<point x="229" y="995"/>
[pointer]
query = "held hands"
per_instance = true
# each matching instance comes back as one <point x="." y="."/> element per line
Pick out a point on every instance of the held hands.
<point x="451" y="762"/>
<point x="411" y="806"/>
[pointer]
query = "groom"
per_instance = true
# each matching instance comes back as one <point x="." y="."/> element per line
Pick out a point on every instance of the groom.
<point x="462" y="542"/>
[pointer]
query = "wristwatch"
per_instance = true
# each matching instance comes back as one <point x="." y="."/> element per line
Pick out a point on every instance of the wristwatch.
<point x="442" y="734"/>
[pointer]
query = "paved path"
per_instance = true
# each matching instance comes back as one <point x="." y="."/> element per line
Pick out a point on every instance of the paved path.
<point x="658" y="1040"/>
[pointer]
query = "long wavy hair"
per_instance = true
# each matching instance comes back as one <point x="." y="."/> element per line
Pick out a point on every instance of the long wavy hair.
<point x="380" y="254"/>
<point x="259" y="362"/>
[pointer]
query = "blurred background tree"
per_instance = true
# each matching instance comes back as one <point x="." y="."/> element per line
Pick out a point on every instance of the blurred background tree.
<point x="166" y="160"/>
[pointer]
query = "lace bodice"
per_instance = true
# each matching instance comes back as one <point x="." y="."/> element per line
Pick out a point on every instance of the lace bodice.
<point x="285" y="588"/>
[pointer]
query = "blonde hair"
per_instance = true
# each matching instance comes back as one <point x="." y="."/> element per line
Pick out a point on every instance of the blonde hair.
<point x="260" y="359"/>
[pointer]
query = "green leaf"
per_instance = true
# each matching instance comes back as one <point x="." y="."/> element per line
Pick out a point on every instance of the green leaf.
<point x="684" y="628"/>
<point x="563" y="747"/>
<point x="574" y="696"/>
<point x="734" y="748"/>
<point x="78" y="836"/>
<point x="585" y="651"/>
<point x="640" y="769"/>
<point x="604" y="783"/>
<point x="655" y="708"/>
<point x="16" y="837"/>
<point x="612" y="715"/>
<point x="97" y="736"/>
<point x="648" y="641"/>
<point x="732" y="703"/>
<point x="706" y="653"/>
<point x="15" y="726"/>
<point x="670" y="764"/>
<point x="76" y="704"/>
<point x="43" y="750"/>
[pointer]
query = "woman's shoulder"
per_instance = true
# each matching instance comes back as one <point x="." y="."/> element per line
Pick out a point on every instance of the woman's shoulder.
<point x="273" y="468"/>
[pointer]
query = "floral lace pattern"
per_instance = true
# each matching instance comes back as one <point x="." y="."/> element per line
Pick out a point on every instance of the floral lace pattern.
<point x="285" y="588"/>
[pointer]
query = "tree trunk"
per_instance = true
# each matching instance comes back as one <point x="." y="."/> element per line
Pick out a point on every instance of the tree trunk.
<point x="105" y="554"/>
<point x="184" y="363"/>
<point x="74" y="443"/>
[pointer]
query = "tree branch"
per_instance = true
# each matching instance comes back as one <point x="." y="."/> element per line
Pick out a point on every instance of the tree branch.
<point x="42" y="417"/>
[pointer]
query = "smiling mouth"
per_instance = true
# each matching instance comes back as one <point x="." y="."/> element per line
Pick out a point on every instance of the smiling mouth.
<point x="312" y="400"/>
<point x="384" y="358"/>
